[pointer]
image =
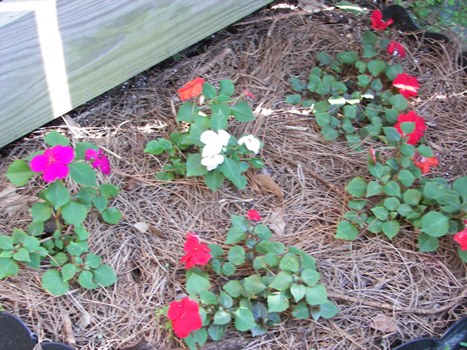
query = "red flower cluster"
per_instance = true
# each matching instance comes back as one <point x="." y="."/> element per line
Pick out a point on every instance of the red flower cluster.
<point x="196" y="253"/>
<point x="377" y="21"/>
<point x="425" y="164"/>
<point x="407" y="85"/>
<point x="419" y="130"/>
<point x="191" y="89"/>
<point x="461" y="237"/>
<point x="394" y="48"/>
<point x="253" y="215"/>
<point x="185" y="317"/>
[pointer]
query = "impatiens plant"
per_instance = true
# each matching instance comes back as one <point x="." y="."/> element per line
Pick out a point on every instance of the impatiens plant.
<point x="249" y="282"/>
<point x="57" y="238"/>
<point x="202" y="146"/>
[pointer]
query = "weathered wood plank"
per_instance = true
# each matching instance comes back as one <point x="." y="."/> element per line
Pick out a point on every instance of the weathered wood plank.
<point x="58" y="54"/>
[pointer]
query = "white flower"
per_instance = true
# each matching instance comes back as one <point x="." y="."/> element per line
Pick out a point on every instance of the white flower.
<point x="212" y="162"/>
<point x="251" y="143"/>
<point x="214" y="142"/>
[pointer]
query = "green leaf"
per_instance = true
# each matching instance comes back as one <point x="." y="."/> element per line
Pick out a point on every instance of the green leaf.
<point x="222" y="317"/>
<point x="105" y="275"/>
<point x="196" y="283"/>
<point x="374" y="188"/>
<point x="380" y="212"/>
<point x="262" y="231"/>
<point x="293" y="99"/>
<point x="357" y="187"/>
<point x="346" y="230"/>
<point x="393" y="71"/>
<point x="235" y="234"/>
<point x="93" y="260"/>
<point x="323" y="118"/>
<point x="57" y="194"/>
<point x="244" y="319"/>
<point x="109" y="190"/>
<point x="216" y="332"/>
<point x="357" y="204"/>
<point x="391" y="228"/>
<point x="347" y="57"/>
<point x="187" y="112"/>
<point x="19" y="173"/>
<point x="277" y="302"/>
<point x="83" y="174"/>
<point x="52" y="282"/>
<point x="225" y="300"/>
<point x="281" y="282"/>
<point x="74" y="213"/>
<point x="231" y="170"/>
<point x="328" y="310"/>
<point x="227" y="87"/>
<point x="77" y="248"/>
<point x="316" y="295"/>
<point x="363" y="80"/>
<point x="391" y="203"/>
<point x="298" y="291"/>
<point x="399" y="102"/>
<point x="6" y="242"/>
<point x="214" y="179"/>
<point x="158" y="146"/>
<point x="8" y="267"/>
<point x="112" y="216"/>
<point x="69" y="271"/>
<point x="194" y="166"/>
<point x="85" y="280"/>
<point x="310" y="277"/>
<point x="289" y="262"/>
<point x="41" y="212"/>
<point x="324" y="58"/>
<point x="228" y="269"/>
<point x="32" y="244"/>
<point x="434" y="224"/>
<point x="392" y="134"/>
<point x="236" y="255"/>
<point x="376" y="66"/>
<point x="82" y="147"/>
<point x="219" y="121"/>
<point x="412" y="196"/>
<point x="54" y="138"/>
<point x="209" y="91"/>
<point x="266" y="246"/>
<point x="427" y="243"/>
<point x="406" y="177"/>
<point x="234" y="289"/>
<point x="407" y="127"/>
<point x="460" y="185"/>
<point x="100" y="203"/>
<point x="242" y="112"/>
<point x="297" y="85"/>
<point x="301" y="311"/>
<point x="392" y="189"/>
<point x="254" y="285"/>
<point x="350" y="111"/>
<point x="208" y="298"/>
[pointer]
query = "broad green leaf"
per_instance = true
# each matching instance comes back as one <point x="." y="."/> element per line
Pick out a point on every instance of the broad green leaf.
<point x="32" y="244"/>
<point x="391" y="203"/>
<point x="230" y="168"/>
<point x="216" y="332"/>
<point x="112" y="216"/>
<point x="100" y="203"/>
<point x="57" y="194"/>
<point x="244" y="319"/>
<point x="219" y="121"/>
<point x="374" y="188"/>
<point x="214" y="179"/>
<point x="427" y="243"/>
<point x="380" y="212"/>
<point x="357" y="204"/>
<point x="41" y="212"/>
<point x="347" y="57"/>
<point x="316" y="295"/>
<point x="301" y="311"/>
<point x="109" y="190"/>
<point x="310" y="277"/>
<point x="74" y="213"/>
<point x="346" y="230"/>
<point x="363" y="80"/>
<point x="158" y="146"/>
<point x="93" y="260"/>
<point x="375" y="67"/>
<point x="357" y="187"/>
<point x="392" y="189"/>
<point x="393" y="70"/>
<point x="392" y="134"/>
<point x="187" y="112"/>
<point x="297" y="85"/>
<point x="277" y="302"/>
<point x="266" y="246"/>
<point x="350" y="111"/>
<point x="6" y="242"/>
<point x="77" y="248"/>
<point x="407" y="127"/>
<point x="262" y="231"/>
<point x="460" y="185"/>
<point x="208" y="298"/>
<point x="222" y="317"/>
<point x="234" y="288"/>
<point x="209" y="91"/>
<point x="196" y="283"/>
<point x="328" y="310"/>
<point x="227" y="87"/>
<point x="324" y="58"/>
<point x="83" y="174"/>
<point x="329" y="133"/>
<point x="391" y="228"/>
<point x="289" y="262"/>
<point x="412" y="196"/>
<point x="8" y="267"/>
<point x="294" y="99"/>
<point x="235" y="234"/>
<point x="69" y="271"/>
<point x="85" y="280"/>
<point x="236" y="255"/>
<point x="82" y="147"/>
<point x="242" y="112"/>
<point x="434" y="224"/>
<point x="194" y="166"/>
<point x="282" y="281"/>
<point x="19" y="173"/>
<point x="298" y="291"/>
<point x="323" y="118"/>
<point x="398" y="101"/>
<point x="52" y="282"/>
<point x="254" y="285"/>
<point x="54" y="138"/>
<point x="225" y="300"/>
<point x="406" y="177"/>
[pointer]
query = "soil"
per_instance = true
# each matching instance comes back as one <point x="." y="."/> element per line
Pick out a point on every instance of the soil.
<point x="387" y="291"/>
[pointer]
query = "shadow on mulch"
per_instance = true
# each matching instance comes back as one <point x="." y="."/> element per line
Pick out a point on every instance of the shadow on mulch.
<point x="371" y="279"/>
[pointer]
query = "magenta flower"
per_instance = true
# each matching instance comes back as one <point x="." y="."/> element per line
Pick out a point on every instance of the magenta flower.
<point x="53" y="162"/>
<point x="98" y="160"/>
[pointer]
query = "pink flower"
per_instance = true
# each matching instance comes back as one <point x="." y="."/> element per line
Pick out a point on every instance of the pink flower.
<point x="53" y="162"/>
<point x="394" y="48"/>
<point x="377" y="21"/>
<point x="419" y="130"/>
<point x="407" y="85"/>
<point x="185" y="317"/>
<point x="249" y="94"/>
<point x="461" y="237"/>
<point x="196" y="253"/>
<point x="98" y="159"/>
<point x="253" y="215"/>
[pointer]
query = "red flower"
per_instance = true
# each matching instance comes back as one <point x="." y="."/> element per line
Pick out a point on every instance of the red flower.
<point x="253" y="215"/>
<point x="53" y="163"/>
<point x="425" y="163"/>
<point x="196" y="253"/>
<point x="419" y="130"/>
<point x="396" y="49"/>
<point x="249" y="94"/>
<point x="372" y="156"/>
<point x="461" y="237"/>
<point x="98" y="159"/>
<point x="185" y="317"/>
<point x="377" y="21"/>
<point x="406" y="84"/>
<point x="191" y="89"/>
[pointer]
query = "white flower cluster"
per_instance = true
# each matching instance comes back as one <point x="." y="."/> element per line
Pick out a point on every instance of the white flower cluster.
<point x="251" y="143"/>
<point x="214" y="145"/>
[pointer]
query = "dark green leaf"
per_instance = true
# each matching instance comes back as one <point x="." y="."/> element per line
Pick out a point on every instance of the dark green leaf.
<point x="19" y="173"/>
<point x="41" y="212"/>
<point x="434" y="224"/>
<point x="196" y="283"/>
<point x="158" y="146"/>
<point x="427" y="243"/>
<point x="194" y="166"/>
<point x="112" y="216"/>
<point x="236" y="255"/>
<point x="357" y="187"/>
<point x="244" y="319"/>
<point x="242" y="112"/>
<point x="83" y="174"/>
<point x="57" y="194"/>
<point x="254" y="285"/>
<point x="231" y="170"/>
<point x="52" y="282"/>
<point x="54" y="138"/>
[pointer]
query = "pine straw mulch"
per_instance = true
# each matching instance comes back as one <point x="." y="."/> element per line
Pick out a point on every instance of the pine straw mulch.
<point x="412" y="294"/>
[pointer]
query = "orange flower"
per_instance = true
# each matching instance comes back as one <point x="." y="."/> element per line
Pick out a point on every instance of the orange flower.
<point x="425" y="163"/>
<point x="191" y="89"/>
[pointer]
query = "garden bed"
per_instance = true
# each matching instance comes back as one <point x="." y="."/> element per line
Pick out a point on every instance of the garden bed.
<point x="387" y="291"/>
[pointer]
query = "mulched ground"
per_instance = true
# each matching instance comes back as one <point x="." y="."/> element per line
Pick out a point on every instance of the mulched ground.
<point x="386" y="290"/>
